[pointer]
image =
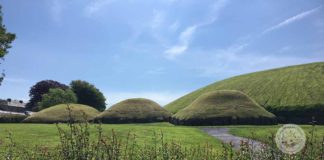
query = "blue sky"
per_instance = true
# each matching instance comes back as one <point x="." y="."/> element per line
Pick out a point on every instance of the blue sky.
<point x="159" y="49"/>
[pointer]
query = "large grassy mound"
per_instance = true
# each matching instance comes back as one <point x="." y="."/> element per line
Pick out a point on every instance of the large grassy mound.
<point x="294" y="93"/>
<point x="138" y="110"/>
<point x="223" y="107"/>
<point x="61" y="113"/>
<point x="11" y="118"/>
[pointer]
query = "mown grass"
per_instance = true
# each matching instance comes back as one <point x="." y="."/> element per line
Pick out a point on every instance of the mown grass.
<point x="297" y="89"/>
<point x="226" y="104"/>
<point x="60" y="113"/>
<point x="262" y="133"/>
<point x="134" y="110"/>
<point x="47" y="134"/>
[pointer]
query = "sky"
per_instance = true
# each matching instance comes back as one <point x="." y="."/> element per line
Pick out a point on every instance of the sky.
<point x="161" y="49"/>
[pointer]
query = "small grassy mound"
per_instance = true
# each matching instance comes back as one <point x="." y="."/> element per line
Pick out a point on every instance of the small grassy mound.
<point x="294" y="94"/>
<point x="136" y="110"/>
<point x="11" y="118"/>
<point x="60" y="113"/>
<point x="221" y="108"/>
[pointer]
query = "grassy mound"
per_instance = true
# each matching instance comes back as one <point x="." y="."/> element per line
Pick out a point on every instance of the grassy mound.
<point x="11" y="118"/>
<point x="294" y="93"/>
<point x="60" y="113"/>
<point x="137" y="110"/>
<point x="223" y="107"/>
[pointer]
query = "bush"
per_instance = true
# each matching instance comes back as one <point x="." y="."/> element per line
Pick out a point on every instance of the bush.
<point x="57" y="96"/>
<point x="88" y="94"/>
<point x="39" y="89"/>
<point x="11" y="118"/>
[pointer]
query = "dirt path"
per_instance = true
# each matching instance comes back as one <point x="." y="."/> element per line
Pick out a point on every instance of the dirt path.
<point x="223" y="135"/>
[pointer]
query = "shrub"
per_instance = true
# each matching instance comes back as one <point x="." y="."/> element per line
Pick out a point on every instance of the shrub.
<point x="39" y="89"/>
<point x="57" y="96"/>
<point x="88" y="94"/>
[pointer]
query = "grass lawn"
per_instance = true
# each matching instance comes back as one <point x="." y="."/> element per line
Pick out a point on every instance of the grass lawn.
<point x="47" y="134"/>
<point x="262" y="133"/>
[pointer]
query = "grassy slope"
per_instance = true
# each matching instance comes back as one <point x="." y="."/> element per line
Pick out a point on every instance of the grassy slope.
<point x="262" y="133"/>
<point x="135" y="108"/>
<point x="46" y="134"/>
<point x="59" y="113"/>
<point x="300" y="85"/>
<point x="225" y="103"/>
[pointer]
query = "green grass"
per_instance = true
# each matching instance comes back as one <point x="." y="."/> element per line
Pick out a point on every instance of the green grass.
<point x="262" y="133"/>
<point x="60" y="113"/>
<point x="134" y="110"/>
<point x="295" y="88"/>
<point x="221" y="104"/>
<point x="47" y="134"/>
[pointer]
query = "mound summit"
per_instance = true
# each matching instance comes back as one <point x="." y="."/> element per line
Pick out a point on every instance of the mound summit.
<point x="60" y="113"/>
<point x="294" y="93"/>
<point x="222" y="108"/>
<point x="138" y="110"/>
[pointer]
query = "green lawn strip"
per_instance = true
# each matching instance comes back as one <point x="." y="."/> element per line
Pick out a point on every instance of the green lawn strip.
<point x="263" y="133"/>
<point x="31" y="135"/>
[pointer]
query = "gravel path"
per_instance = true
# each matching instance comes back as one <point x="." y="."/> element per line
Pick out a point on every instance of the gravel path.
<point x="223" y="135"/>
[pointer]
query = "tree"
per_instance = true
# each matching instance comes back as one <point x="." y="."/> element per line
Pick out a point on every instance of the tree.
<point x="57" y="96"/>
<point x="5" y="41"/>
<point x="88" y="94"/>
<point x="39" y="89"/>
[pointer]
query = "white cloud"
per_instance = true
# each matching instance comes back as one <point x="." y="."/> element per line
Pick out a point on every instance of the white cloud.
<point x="56" y="10"/>
<point x="292" y="19"/>
<point x="233" y="61"/>
<point x="187" y="34"/>
<point x="284" y="49"/>
<point x="95" y="6"/>
<point x="157" y="19"/>
<point x="156" y="71"/>
<point x="174" y="26"/>
<point x="184" y="39"/>
<point x="162" y="98"/>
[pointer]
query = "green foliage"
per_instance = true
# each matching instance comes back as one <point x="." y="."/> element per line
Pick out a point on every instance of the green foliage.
<point x="287" y="92"/>
<point x="60" y="113"/>
<point x="138" y="110"/>
<point x="40" y="88"/>
<point x="88" y="94"/>
<point x="223" y="107"/>
<point x="6" y="38"/>
<point x="57" y="96"/>
<point x="11" y="118"/>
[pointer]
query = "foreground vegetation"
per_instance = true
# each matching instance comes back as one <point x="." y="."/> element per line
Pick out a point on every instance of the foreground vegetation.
<point x="141" y="141"/>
